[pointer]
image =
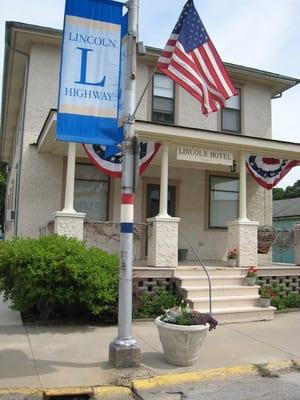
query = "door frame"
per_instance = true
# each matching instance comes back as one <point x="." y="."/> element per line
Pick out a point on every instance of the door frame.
<point x="156" y="181"/>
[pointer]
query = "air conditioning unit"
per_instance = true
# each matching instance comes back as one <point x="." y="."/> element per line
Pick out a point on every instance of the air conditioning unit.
<point x="10" y="215"/>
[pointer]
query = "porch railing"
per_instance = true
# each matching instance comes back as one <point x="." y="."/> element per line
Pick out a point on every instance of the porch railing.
<point x="204" y="269"/>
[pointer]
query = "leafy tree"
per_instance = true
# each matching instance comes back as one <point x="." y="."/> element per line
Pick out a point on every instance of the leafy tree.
<point x="289" y="193"/>
<point x="278" y="194"/>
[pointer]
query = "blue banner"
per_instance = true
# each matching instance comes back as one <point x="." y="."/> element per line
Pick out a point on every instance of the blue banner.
<point x="89" y="90"/>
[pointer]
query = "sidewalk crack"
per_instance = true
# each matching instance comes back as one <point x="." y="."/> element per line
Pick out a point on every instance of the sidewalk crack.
<point x="33" y="357"/>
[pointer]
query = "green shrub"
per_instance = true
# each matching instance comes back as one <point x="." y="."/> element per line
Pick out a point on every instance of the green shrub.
<point x="286" y="300"/>
<point x="154" y="303"/>
<point x="39" y="276"/>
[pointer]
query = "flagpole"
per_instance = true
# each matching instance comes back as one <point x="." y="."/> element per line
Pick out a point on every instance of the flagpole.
<point x="123" y="351"/>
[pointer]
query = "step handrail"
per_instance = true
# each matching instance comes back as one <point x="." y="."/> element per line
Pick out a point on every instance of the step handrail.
<point x="204" y="268"/>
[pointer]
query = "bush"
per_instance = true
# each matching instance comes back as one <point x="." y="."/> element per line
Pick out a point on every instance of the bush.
<point x="42" y="275"/>
<point x="289" y="300"/>
<point x="154" y="303"/>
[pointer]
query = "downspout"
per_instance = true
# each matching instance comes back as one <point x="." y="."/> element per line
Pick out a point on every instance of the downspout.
<point x="21" y="130"/>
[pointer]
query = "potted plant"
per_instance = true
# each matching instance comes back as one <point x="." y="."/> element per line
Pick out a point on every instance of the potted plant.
<point x="232" y="257"/>
<point x="267" y="293"/>
<point x="251" y="276"/>
<point x="182" y="332"/>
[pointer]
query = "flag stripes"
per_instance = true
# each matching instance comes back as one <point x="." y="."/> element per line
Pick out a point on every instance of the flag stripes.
<point x="191" y="60"/>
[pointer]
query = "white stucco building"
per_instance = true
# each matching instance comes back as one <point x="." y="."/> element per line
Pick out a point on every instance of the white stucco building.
<point x="203" y="198"/>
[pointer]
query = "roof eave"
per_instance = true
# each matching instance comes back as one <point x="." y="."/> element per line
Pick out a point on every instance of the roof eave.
<point x="7" y="39"/>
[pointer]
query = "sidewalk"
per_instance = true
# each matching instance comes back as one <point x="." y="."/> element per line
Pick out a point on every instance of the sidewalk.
<point x="46" y="357"/>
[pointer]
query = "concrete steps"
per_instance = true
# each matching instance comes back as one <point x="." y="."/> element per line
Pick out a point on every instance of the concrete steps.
<point x="200" y="291"/>
<point x="224" y="302"/>
<point x="216" y="280"/>
<point x="213" y="271"/>
<point x="243" y="314"/>
<point x="232" y="300"/>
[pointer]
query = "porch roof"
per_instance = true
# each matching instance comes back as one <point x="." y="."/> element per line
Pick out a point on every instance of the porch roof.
<point x="179" y="135"/>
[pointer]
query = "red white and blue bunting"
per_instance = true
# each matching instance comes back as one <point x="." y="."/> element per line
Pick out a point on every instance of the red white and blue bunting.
<point x="111" y="164"/>
<point x="269" y="171"/>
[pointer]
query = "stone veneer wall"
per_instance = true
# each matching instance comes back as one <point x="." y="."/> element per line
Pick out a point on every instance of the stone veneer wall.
<point x="106" y="236"/>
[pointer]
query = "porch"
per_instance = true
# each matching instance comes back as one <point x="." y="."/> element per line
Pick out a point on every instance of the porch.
<point x="200" y="212"/>
<point x="159" y="235"/>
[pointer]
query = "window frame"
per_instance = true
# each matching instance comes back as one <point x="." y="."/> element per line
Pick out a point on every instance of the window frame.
<point x="108" y="181"/>
<point x="161" y="97"/>
<point x="210" y="227"/>
<point x="239" y="110"/>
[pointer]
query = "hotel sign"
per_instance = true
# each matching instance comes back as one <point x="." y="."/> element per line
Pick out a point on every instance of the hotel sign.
<point x="197" y="154"/>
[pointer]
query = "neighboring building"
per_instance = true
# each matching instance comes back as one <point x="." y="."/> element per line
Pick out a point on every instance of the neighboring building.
<point x="286" y="213"/>
<point x="206" y="196"/>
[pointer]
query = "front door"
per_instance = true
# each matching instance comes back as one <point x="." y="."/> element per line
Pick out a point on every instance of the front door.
<point x="153" y="195"/>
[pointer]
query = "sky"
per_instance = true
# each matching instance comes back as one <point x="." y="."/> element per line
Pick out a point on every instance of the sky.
<point x="261" y="34"/>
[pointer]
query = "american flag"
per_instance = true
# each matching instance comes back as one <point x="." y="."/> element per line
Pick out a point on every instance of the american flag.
<point x="190" y="59"/>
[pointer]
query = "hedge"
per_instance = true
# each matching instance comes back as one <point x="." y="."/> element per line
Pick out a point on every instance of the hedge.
<point x="40" y="276"/>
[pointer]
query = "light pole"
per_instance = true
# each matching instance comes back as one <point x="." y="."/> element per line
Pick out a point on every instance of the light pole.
<point x="123" y="351"/>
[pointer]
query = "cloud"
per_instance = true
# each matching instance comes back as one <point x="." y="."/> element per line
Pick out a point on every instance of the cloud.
<point x="255" y="32"/>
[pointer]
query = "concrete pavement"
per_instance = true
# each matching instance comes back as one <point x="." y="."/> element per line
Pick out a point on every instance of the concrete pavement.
<point x="7" y="316"/>
<point x="65" y="356"/>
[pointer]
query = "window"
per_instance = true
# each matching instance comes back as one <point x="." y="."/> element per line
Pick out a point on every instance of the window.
<point x="231" y="114"/>
<point x="223" y="200"/>
<point x="163" y="99"/>
<point x="91" y="192"/>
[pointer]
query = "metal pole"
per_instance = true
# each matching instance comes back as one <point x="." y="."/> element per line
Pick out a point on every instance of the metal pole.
<point x="123" y="350"/>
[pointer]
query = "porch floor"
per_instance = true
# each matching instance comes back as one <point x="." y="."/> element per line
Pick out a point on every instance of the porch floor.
<point x="214" y="264"/>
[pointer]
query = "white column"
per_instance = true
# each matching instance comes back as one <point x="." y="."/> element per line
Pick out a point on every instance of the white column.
<point x="163" y="202"/>
<point x="68" y="222"/>
<point x="243" y="188"/>
<point x="70" y="179"/>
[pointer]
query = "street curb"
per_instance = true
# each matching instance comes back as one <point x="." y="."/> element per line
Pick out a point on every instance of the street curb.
<point x="112" y="390"/>
<point x="282" y="365"/>
<point x="156" y="381"/>
<point x="187" y="377"/>
<point x="65" y="391"/>
<point x="22" y="391"/>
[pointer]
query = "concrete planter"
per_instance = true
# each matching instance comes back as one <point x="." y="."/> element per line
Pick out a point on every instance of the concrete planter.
<point x="265" y="302"/>
<point x="181" y="343"/>
<point x="250" y="280"/>
<point x="231" y="262"/>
